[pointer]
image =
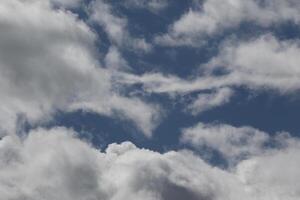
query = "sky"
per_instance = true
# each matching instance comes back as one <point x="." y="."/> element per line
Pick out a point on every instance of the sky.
<point x="149" y="99"/>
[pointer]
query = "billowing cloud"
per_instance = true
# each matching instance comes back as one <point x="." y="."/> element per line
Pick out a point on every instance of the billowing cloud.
<point x="212" y="17"/>
<point x="54" y="164"/>
<point x="54" y="67"/>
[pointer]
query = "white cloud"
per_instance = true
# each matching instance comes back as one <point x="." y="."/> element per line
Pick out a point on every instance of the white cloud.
<point x="264" y="62"/>
<point x="75" y="170"/>
<point x="261" y="63"/>
<point x="232" y="142"/>
<point x="116" y="27"/>
<point x="273" y="175"/>
<point x="159" y="83"/>
<point x="212" y="17"/>
<point x="114" y="60"/>
<point x="48" y="63"/>
<point x="209" y="101"/>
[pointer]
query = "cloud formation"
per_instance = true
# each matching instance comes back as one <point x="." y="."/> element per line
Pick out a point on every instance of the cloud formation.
<point x="263" y="63"/>
<point x="48" y="68"/>
<point x="54" y="164"/>
<point x="49" y="62"/>
<point x="116" y="27"/>
<point x="232" y="142"/>
<point x="211" y="17"/>
<point x="207" y="101"/>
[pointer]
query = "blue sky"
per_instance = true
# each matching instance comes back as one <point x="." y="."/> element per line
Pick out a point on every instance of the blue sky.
<point x="266" y="110"/>
<point x="149" y="99"/>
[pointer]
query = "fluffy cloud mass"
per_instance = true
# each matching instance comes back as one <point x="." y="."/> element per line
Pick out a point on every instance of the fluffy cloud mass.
<point x="54" y="164"/>
<point x="48" y="68"/>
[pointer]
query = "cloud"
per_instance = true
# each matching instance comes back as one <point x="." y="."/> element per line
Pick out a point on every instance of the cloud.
<point x="116" y="27"/>
<point x="263" y="63"/>
<point x="114" y="60"/>
<point x="170" y="84"/>
<point x="233" y="143"/>
<point x="67" y="3"/>
<point x="212" y="17"/>
<point x="272" y="175"/>
<point x="75" y="170"/>
<point x="151" y="5"/>
<point x="48" y="62"/>
<point x="259" y="64"/>
<point x="207" y="101"/>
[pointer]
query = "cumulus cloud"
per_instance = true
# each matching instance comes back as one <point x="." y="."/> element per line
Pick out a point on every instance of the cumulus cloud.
<point x="54" y="164"/>
<point x="212" y="17"/>
<point x="54" y="67"/>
